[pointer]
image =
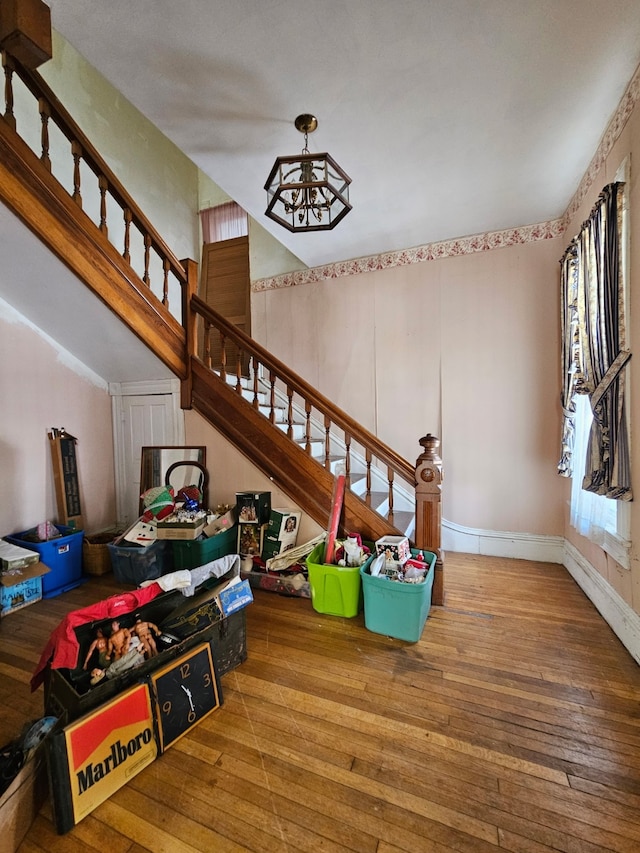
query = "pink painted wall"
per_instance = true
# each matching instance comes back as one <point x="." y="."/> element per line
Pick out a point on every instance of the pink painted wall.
<point x="42" y="387"/>
<point x="464" y="347"/>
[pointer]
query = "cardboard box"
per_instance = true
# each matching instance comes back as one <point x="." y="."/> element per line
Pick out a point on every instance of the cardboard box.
<point x="172" y="527"/>
<point x="395" y="548"/>
<point x="296" y="584"/>
<point x="15" y="556"/>
<point x="220" y="523"/>
<point x="23" y="799"/>
<point x="281" y="533"/>
<point x="21" y="587"/>
<point x="250" y="539"/>
<point x="236" y="595"/>
<point x="253" y="507"/>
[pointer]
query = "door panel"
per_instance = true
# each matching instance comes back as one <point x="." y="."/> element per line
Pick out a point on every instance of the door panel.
<point x="225" y="286"/>
<point x="147" y="420"/>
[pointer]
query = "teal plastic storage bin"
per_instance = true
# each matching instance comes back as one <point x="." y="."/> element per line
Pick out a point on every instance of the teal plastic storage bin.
<point x="335" y="590"/>
<point x="191" y="553"/>
<point x="397" y="609"/>
<point x="62" y="556"/>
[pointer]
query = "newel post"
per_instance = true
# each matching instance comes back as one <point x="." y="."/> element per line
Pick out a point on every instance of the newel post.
<point x="429" y="509"/>
<point x="189" y="288"/>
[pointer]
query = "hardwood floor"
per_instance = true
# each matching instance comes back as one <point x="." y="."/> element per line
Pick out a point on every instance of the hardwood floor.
<point x="512" y="725"/>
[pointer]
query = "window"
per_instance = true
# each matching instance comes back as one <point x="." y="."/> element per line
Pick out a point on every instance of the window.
<point x="595" y="449"/>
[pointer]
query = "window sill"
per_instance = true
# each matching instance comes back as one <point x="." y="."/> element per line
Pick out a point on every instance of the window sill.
<point x="618" y="548"/>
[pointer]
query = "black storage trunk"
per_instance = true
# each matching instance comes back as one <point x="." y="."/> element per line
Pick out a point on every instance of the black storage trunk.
<point x="189" y="621"/>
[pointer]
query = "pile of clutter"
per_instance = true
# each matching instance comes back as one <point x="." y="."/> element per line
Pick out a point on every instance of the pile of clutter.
<point x="394" y="560"/>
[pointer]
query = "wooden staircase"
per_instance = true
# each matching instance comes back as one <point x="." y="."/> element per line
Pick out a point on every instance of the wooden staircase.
<point x="284" y="426"/>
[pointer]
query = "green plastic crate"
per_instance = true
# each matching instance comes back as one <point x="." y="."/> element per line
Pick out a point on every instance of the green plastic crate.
<point x="191" y="553"/>
<point x="335" y="590"/>
<point x="397" y="609"/>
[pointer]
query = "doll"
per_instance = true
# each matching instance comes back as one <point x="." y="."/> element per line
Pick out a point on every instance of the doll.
<point x="145" y="631"/>
<point x="99" y="645"/>
<point x="119" y="641"/>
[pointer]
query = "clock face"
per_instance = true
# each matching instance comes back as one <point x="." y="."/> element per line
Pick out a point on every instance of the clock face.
<point x="186" y="690"/>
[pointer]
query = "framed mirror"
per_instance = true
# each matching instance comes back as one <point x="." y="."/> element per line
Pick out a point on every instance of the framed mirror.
<point x="156" y="462"/>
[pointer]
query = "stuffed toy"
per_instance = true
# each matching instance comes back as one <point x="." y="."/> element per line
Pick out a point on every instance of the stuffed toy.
<point x="158" y="503"/>
<point x="191" y="496"/>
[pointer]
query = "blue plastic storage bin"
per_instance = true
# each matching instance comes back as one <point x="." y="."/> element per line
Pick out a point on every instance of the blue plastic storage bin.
<point x="132" y="564"/>
<point x="62" y="556"/>
<point x="397" y="609"/>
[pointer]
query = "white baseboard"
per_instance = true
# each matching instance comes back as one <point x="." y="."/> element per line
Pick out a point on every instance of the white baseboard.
<point x="623" y="621"/>
<point x="497" y="543"/>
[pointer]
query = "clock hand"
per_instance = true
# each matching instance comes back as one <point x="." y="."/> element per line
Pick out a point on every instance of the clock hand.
<point x="188" y="692"/>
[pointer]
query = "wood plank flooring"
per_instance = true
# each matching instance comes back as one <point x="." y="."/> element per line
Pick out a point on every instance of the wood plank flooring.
<point x="513" y="725"/>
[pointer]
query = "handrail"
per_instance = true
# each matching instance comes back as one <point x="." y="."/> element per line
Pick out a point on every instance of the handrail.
<point x="50" y="109"/>
<point x="277" y="371"/>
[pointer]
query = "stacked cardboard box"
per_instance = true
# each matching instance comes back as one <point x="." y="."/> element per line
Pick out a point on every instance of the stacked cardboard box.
<point x="21" y="575"/>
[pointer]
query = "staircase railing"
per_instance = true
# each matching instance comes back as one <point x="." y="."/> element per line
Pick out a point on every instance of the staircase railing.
<point x="141" y="245"/>
<point x="255" y="369"/>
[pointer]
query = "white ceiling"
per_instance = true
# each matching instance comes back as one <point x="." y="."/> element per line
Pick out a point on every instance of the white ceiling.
<point x="452" y="117"/>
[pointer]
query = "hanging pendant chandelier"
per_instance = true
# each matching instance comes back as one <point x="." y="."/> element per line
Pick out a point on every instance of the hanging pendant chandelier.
<point x="307" y="192"/>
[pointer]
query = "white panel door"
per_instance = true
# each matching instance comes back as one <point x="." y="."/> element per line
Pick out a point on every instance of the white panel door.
<point x="147" y="421"/>
<point x="141" y="420"/>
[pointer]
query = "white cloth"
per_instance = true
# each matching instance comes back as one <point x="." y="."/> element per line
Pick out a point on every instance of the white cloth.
<point x="174" y="580"/>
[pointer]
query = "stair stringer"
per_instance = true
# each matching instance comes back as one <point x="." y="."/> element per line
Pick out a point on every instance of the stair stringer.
<point x="289" y="467"/>
<point x="403" y="497"/>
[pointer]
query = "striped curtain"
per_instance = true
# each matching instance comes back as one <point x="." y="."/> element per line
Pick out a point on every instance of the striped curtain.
<point x="599" y="345"/>
<point x="568" y="355"/>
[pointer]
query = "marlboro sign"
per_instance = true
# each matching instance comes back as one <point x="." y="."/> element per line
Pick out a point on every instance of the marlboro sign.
<point x="97" y="754"/>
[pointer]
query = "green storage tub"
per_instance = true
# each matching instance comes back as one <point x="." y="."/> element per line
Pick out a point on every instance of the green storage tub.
<point x="191" y="553"/>
<point x="397" y="609"/>
<point x="335" y="590"/>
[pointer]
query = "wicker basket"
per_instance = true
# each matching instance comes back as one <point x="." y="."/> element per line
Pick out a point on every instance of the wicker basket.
<point x="96" y="558"/>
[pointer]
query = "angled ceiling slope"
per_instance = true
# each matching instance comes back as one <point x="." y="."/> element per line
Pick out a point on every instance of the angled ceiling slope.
<point x="452" y="117"/>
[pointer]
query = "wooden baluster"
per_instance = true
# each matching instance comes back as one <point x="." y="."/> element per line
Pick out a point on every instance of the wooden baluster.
<point x="128" y="216"/>
<point x="9" y="68"/>
<point x="272" y="397"/>
<point x="290" y="413"/>
<point x="45" y="115"/>
<point x="307" y="428"/>
<point x="103" y="184"/>
<point x="223" y="357"/>
<point x="390" y="482"/>
<point x="147" y="251"/>
<point x="76" y="150"/>
<point x="429" y="478"/>
<point x="347" y="460"/>
<point x="327" y="442"/>
<point x="165" y="283"/>
<point x="254" y="368"/>
<point x="238" y="370"/>
<point x="207" y="343"/>
<point x="368" y="457"/>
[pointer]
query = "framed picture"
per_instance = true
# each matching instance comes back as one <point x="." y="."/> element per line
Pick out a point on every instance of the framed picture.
<point x="95" y="755"/>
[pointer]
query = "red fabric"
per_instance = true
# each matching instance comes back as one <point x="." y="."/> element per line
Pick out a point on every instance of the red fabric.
<point x="62" y="647"/>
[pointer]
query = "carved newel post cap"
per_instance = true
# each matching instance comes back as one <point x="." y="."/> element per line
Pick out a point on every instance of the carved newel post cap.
<point x="430" y="443"/>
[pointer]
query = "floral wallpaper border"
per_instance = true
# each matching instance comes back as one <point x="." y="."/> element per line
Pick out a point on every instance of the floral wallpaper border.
<point x="478" y="242"/>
